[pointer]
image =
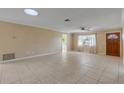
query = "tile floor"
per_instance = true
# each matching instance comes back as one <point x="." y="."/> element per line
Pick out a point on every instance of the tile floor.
<point x="70" y="68"/>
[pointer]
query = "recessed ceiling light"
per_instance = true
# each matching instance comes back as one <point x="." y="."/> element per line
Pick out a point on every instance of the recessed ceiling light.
<point x="31" y="12"/>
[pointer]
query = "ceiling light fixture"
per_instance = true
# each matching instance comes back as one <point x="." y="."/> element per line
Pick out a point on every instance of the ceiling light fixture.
<point x="31" y="12"/>
<point x="67" y="20"/>
<point x="86" y="28"/>
<point x="82" y="28"/>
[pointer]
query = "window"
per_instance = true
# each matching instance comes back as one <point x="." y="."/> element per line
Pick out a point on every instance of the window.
<point x="87" y="40"/>
<point x="113" y="36"/>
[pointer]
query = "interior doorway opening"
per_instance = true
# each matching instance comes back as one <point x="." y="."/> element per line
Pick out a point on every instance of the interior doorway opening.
<point x="64" y="43"/>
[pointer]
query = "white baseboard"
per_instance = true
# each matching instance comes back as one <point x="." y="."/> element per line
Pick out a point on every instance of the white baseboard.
<point x="28" y="57"/>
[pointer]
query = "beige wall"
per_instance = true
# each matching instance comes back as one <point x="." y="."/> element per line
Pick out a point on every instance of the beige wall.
<point x="26" y="41"/>
<point x="69" y="42"/>
<point x="101" y="40"/>
<point x="101" y="43"/>
<point x="123" y="32"/>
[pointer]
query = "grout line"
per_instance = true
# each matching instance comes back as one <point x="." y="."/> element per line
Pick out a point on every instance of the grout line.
<point x="118" y="74"/>
<point x="33" y="73"/>
<point x="102" y="73"/>
<point x="1" y="74"/>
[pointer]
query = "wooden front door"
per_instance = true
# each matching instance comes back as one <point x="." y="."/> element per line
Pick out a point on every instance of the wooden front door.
<point x="113" y="44"/>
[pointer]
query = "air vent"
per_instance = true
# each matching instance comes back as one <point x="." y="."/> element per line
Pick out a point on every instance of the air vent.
<point x="8" y="56"/>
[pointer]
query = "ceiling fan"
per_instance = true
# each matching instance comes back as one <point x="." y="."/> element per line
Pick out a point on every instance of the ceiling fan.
<point x="86" y="28"/>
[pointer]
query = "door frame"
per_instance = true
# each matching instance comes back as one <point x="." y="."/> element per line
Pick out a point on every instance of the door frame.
<point x="64" y="42"/>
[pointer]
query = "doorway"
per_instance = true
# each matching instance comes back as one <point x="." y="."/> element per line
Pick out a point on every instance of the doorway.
<point x="113" y="44"/>
<point x="64" y="42"/>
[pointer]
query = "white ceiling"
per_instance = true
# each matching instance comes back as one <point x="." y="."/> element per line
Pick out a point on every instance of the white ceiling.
<point x="95" y="18"/>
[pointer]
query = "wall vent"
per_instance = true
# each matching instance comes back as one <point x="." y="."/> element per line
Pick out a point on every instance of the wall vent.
<point x="8" y="56"/>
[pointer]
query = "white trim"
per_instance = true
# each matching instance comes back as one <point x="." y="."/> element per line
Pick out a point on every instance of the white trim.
<point x="28" y="57"/>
